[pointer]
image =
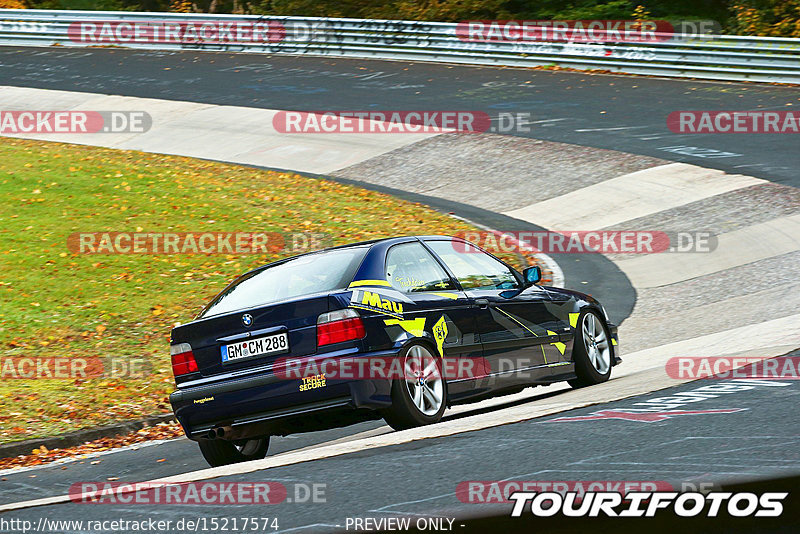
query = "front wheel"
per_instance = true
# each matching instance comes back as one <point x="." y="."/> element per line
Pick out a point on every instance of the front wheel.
<point x="420" y="397"/>
<point x="219" y="452"/>
<point x="591" y="351"/>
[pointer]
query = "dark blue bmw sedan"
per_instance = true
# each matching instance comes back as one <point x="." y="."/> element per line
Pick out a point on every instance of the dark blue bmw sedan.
<point x="399" y="328"/>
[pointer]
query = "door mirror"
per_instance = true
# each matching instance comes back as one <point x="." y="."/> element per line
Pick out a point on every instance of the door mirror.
<point x="532" y="275"/>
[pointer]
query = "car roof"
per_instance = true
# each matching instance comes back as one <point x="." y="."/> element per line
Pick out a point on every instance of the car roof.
<point x="370" y="243"/>
<point x="398" y="239"/>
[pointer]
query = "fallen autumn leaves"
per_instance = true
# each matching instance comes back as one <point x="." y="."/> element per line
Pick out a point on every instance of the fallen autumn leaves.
<point x="43" y="455"/>
<point x="60" y="304"/>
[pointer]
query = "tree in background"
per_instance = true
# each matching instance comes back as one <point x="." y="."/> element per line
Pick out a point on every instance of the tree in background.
<point x="748" y="17"/>
<point x="775" y="18"/>
<point x="317" y="8"/>
<point x="180" y="6"/>
<point x="446" y="10"/>
<point x="459" y="10"/>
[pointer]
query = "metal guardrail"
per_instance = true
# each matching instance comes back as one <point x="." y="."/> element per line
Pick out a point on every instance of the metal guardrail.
<point x="722" y="57"/>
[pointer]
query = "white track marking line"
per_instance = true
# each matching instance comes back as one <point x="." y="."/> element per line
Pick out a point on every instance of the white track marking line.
<point x="226" y="133"/>
<point x="771" y="335"/>
<point x="616" y="385"/>
<point x="545" y="121"/>
<point x="753" y="243"/>
<point x="89" y="456"/>
<point x="631" y="196"/>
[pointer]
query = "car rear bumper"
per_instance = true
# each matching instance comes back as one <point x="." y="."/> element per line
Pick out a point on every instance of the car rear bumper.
<point x="272" y="404"/>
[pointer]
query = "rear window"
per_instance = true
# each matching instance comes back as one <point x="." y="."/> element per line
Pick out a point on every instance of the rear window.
<point x="304" y="275"/>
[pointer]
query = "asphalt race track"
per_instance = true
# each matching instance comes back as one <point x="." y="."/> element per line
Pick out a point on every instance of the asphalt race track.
<point x="678" y="452"/>
<point x="622" y="113"/>
<point x="591" y="137"/>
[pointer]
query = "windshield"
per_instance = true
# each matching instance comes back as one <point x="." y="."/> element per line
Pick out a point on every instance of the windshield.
<point x="304" y="275"/>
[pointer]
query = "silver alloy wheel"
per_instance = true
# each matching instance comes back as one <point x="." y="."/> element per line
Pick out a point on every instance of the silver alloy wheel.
<point x="248" y="447"/>
<point x="596" y="342"/>
<point x="423" y="380"/>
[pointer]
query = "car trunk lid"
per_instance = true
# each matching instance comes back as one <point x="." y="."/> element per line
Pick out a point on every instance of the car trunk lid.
<point x="255" y="337"/>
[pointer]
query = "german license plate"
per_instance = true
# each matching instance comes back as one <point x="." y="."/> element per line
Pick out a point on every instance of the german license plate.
<point x="260" y="346"/>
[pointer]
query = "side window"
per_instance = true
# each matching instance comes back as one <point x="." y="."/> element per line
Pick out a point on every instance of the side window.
<point x="410" y="269"/>
<point x="473" y="268"/>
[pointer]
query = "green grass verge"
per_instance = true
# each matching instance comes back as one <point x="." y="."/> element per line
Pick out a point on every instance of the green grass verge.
<point x="59" y="304"/>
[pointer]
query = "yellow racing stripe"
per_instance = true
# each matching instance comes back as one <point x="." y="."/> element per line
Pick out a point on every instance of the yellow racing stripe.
<point x="359" y="283"/>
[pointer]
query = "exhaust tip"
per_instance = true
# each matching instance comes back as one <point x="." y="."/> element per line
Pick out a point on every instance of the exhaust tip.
<point x="223" y="432"/>
<point x="218" y="432"/>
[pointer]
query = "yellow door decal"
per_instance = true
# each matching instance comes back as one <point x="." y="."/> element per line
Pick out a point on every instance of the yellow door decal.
<point x="560" y="346"/>
<point x="415" y="327"/>
<point x="573" y="320"/>
<point x="440" y="333"/>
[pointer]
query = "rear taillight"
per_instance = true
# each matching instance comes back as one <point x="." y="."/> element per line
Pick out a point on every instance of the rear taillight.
<point x="338" y="326"/>
<point x="183" y="361"/>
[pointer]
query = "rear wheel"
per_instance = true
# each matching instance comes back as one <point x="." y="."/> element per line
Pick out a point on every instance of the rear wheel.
<point x="419" y="398"/>
<point x="591" y="351"/>
<point x="219" y="452"/>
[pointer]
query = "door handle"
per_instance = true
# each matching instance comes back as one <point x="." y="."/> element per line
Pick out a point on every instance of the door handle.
<point x="482" y="303"/>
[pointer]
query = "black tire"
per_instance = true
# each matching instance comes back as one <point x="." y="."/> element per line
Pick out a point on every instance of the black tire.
<point x="587" y="372"/>
<point x="219" y="452"/>
<point x="404" y="412"/>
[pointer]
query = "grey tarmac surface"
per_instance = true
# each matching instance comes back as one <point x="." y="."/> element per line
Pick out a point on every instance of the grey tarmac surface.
<point x="625" y="113"/>
<point x="616" y="112"/>
<point x="683" y="451"/>
<point x="177" y="455"/>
